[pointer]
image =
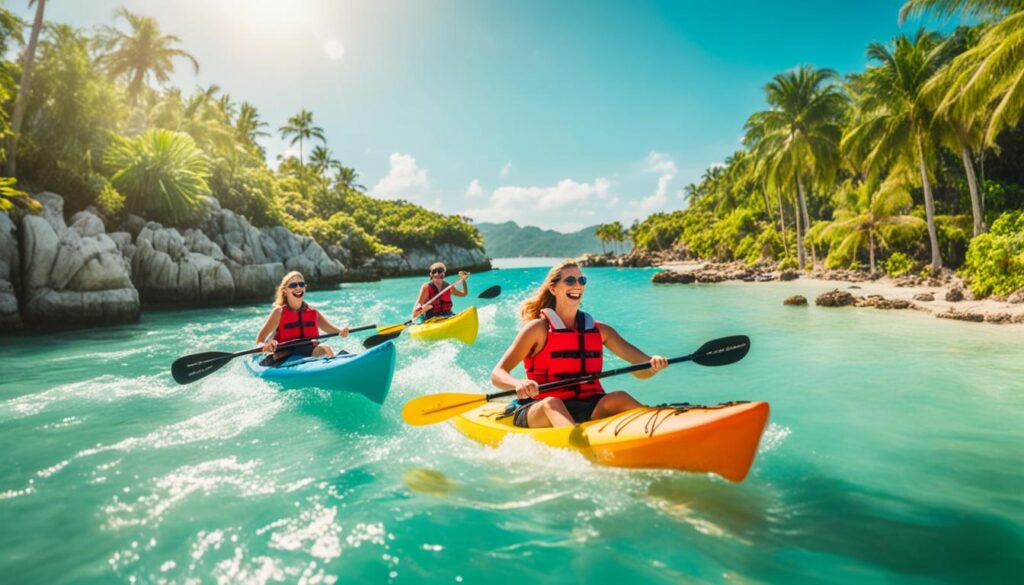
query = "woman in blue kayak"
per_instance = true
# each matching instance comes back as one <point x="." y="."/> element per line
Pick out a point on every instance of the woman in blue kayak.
<point x="442" y="306"/>
<point x="560" y="341"/>
<point x="291" y="319"/>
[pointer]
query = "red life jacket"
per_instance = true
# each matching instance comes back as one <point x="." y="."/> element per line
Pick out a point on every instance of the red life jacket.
<point x="301" y="324"/>
<point x="568" y="353"/>
<point x="443" y="304"/>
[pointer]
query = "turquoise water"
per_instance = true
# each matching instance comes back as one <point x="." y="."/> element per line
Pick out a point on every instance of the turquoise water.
<point x="894" y="454"/>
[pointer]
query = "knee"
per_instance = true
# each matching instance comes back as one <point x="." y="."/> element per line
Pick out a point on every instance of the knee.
<point x="620" y="397"/>
<point x="551" y="403"/>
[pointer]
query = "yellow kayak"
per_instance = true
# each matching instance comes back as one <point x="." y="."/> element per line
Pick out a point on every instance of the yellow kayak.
<point x="462" y="326"/>
<point x="720" y="439"/>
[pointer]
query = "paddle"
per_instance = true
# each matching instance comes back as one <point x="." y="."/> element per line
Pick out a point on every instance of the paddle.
<point x="435" y="408"/>
<point x="194" y="367"/>
<point x="393" y="331"/>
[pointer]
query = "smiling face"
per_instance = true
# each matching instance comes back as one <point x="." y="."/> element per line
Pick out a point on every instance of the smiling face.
<point x="565" y="292"/>
<point x="437" y="275"/>
<point x="293" y="292"/>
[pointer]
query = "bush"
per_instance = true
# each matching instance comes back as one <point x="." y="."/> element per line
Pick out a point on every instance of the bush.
<point x="110" y="201"/>
<point x="898" y="264"/>
<point x="789" y="263"/>
<point x="341" y="230"/>
<point x="162" y="174"/>
<point x="995" y="261"/>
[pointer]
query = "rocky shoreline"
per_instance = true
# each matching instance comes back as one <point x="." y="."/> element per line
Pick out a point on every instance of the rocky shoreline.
<point x="945" y="296"/>
<point x="58" y="274"/>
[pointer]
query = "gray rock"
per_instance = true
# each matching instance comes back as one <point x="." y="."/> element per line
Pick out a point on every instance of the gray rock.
<point x="418" y="260"/>
<point x="835" y="298"/>
<point x="924" y="297"/>
<point x="255" y="281"/>
<point x="10" y="318"/>
<point x="73" y="276"/>
<point x="673" y="277"/>
<point x="166" y="271"/>
<point x="955" y="295"/>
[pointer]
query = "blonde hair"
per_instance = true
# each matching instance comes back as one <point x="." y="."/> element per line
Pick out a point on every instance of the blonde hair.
<point x="280" y="298"/>
<point x="542" y="298"/>
<point x="438" y="265"/>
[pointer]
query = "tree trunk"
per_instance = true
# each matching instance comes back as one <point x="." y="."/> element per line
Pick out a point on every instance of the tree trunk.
<point x="871" y="250"/>
<point x="21" y="102"/>
<point x="801" y="254"/>
<point x="972" y="183"/>
<point x="782" y="225"/>
<point x="929" y="207"/>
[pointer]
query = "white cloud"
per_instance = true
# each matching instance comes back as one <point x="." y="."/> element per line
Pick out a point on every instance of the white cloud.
<point x="661" y="164"/>
<point x="567" y="205"/>
<point x="334" y="49"/>
<point x="505" y="170"/>
<point x="474" y="190"/>
<point x="405" y="180"/>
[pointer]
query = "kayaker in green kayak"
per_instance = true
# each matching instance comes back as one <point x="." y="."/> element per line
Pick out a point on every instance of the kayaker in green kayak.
<point x="291" y="319"/>
<point x="560" y="341"/>
<point x="442" y="306"/>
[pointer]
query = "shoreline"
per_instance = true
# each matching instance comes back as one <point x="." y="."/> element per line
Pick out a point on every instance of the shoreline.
<point x="991" y="311"/>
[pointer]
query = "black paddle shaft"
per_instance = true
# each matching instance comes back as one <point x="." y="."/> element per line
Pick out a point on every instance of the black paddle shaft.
<point x="718" y="352"/>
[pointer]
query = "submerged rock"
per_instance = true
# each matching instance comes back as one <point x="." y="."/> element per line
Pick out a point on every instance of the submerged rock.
<point x="961" y="315"/>
<point x="673" y="277"/>
<point x="795" y="301"/>
<point x="834" y="298"/>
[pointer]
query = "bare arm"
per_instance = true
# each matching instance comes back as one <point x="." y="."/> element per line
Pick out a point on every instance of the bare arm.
<point x="463" y="278"/>
<point x="269" y="327"/>
<point x="419" y="307"/>
<point x="329" y="327"/>
<point x="526" y="342"/>
<point x="630" y="352"/>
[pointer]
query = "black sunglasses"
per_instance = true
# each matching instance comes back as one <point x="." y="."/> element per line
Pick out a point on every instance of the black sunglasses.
<point x="437" y="271"/>
<point x="572" y="280"/>
<point x="301" y="283"/>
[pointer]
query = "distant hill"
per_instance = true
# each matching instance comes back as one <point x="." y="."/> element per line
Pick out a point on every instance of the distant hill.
<point x="509" y="240"/>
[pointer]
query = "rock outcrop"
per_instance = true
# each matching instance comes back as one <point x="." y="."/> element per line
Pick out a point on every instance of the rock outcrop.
<point x="417" y="261"/>
<point x="72" y="275"/>
<point x="673" y="277"/>
<point x="835" y="298"/>
<point x="10" y="318"/>
<point x="795" y="301"/>
<point x="961" y="315"/>
<point x="168" y="270"/>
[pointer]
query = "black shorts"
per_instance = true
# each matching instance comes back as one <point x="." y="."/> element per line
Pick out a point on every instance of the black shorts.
<point x="580" y="410"/>
<point x="439" y="315"/>
<point x="304" y="350"/>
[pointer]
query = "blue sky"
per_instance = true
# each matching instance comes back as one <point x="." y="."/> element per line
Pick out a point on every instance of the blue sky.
<point x="557" y="114"/>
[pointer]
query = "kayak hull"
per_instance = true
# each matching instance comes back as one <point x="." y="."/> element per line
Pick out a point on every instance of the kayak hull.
<point x="463" y="326"/>
<point x="367" y="373"/>
<point x="720" y="439"/>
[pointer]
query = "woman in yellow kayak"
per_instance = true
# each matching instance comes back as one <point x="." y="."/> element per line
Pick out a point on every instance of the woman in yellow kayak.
<point x="442" y="306"/>
<point x="291" y="319"/>
<point x="560" y="341"/>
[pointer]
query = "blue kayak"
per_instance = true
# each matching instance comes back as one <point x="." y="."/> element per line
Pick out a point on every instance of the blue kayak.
<point x="368" y="373"/>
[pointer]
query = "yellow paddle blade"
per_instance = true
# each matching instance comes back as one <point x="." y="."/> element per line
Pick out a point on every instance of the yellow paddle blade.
<point x="435" y="408"/>
<point x="391" y="329"/>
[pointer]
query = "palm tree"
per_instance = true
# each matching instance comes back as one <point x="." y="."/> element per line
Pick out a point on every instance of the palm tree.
<point x="617" y="233"/>
<point x="161" y="173"/>
<point x="892" y="124"/>
<point x="874" y="216"/>
<point x="798" y="137"/>
<point x="248" y="126"/>
<point x="347" y="177"/>
<point x="140" y="53"/>
<point x="23" y="88"/>
<point x="321" y="159"/>
<point x="992" y="72"/>
<point x="959" y="128"/>
<point x="300" y="128"/>
<point x="601" y="232"/>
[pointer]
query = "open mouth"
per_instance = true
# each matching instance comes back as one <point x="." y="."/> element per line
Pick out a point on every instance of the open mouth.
<point x="297" y="293"/>
<point x="574" y="295"/>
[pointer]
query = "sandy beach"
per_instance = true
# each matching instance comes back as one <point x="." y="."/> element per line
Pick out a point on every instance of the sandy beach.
<point x="992" y="311"/>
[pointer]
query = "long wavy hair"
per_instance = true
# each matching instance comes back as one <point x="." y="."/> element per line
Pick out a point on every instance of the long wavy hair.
<point x="542" y="298"/>
<point x="280" y="296"/>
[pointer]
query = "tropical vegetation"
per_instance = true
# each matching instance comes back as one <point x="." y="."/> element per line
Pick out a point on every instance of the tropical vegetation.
<point x="899" y="167"/>
<point x="129" y="143"/>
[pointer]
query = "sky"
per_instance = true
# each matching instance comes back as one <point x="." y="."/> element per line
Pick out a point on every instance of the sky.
<point x="559" y="114"/>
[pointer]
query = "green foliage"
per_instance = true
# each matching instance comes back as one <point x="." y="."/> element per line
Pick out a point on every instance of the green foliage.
<point x="12" y="198"/>
<point x="898" y="264"/>
<point x="110" y="201"/>
<point x="995" y="261"/>
<point x="161" y="173"/>
<point x="341" y="230"/>
<point x="788" y="263"/>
